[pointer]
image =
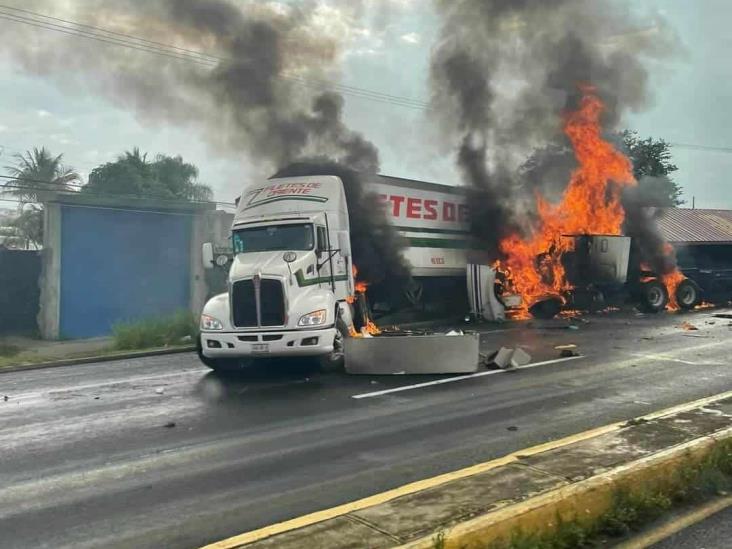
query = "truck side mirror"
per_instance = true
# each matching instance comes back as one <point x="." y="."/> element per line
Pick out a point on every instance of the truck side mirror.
<point x="321" y="245"/>
<point x="344" y="243"/>
<point x="207" y="255"/>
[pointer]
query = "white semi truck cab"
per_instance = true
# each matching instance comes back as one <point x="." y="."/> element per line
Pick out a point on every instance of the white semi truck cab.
<point x="289" y="278"/>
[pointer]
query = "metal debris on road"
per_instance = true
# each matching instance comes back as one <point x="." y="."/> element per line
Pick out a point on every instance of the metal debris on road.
<point x="169" y="425"/>
<point x="688" y="326"/>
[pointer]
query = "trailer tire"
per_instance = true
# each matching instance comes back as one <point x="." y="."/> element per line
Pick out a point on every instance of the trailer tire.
<point x="654" y="296"/>
<point x="688" y="294"/>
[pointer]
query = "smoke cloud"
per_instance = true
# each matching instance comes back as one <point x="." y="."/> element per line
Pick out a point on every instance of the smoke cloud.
<point x="249" y="75"/>
<point x="258" y="90"/>
<point x="502" y="74"/>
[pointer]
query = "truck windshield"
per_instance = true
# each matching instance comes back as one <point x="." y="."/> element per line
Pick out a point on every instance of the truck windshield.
<point x="274" y="237"/>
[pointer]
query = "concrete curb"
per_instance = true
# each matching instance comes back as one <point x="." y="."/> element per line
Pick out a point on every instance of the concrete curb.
<point x="586" y="500"/>
<point x="98" y="358"/>
<point x="574" y="478"/>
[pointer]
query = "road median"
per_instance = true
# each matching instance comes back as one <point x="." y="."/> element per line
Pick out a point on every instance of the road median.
<point x="537" y="491"/>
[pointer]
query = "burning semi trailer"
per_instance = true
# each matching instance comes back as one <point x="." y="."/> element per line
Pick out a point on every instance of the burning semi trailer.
<point x="575" y="257"/>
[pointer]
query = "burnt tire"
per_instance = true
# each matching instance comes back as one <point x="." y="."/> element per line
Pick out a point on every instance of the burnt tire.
<point x="653" y="296"/>
<point x="688" y="294"/>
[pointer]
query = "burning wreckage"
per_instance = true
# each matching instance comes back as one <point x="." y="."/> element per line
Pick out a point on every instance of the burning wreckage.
<point x="303" y="240"/>
<point x="503" y="79"/>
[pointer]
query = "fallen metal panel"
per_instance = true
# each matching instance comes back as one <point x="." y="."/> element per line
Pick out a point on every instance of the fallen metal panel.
<point x="413" y="354"/>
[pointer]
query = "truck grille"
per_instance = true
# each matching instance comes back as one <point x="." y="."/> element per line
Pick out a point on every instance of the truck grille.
<point x="271" y="303"/>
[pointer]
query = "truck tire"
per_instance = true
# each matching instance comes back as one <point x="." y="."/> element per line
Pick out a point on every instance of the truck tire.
<point x="334" y="361"/>
<point x="654" y="296"/>
<point x="221" y="365"/>
<point x="688" y="294"/>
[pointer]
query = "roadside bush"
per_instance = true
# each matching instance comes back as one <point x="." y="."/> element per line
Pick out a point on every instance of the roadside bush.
<point x="155" y="332"/>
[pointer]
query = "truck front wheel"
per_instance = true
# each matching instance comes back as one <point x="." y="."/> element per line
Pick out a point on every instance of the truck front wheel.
<point x="654" y="296"/>
<point x="687" y="294"/>
<point x="335" y="360"/>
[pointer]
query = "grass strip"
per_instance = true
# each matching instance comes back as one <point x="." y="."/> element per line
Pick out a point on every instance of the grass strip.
<point x="693" y="482"/>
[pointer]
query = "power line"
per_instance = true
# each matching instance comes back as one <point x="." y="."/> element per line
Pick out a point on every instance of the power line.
<point x="100" y="34"/>
<point x="45" y="186"/>
<point x="702" y="147"/>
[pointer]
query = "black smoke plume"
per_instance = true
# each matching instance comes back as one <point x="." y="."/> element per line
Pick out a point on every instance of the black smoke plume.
<point x="502" y="74"/>
<point x="251" y="77"/>
<point x="247" y="76"/>
<point x="375" y="244"/>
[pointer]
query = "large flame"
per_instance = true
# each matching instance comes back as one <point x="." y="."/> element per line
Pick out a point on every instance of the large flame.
<point x="590" y="205"/>
<point x="360" y="288"/>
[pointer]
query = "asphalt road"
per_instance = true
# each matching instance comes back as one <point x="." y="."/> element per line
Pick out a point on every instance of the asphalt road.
<point x="158" y="452"/>
<point x="714" y="532"/>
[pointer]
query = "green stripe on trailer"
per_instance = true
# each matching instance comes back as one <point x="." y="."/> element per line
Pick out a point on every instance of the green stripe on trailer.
<point x="430" y="230"/>
<point x="422" y="242"/>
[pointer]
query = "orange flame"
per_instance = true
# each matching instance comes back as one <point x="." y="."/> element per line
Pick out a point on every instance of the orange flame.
<point x="672" y="280"/>
<point x="590" y="205"/>
<point x="360" y="288"/>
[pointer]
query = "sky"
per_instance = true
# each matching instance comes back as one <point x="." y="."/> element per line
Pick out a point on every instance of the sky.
<point x="388" y="49"/>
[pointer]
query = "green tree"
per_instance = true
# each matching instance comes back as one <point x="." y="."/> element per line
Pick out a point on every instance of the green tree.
<point x="132" y="174"/>
<point x="29" y="226"/>
<point x="652" y="167"/>
<point x="36" y="172"/>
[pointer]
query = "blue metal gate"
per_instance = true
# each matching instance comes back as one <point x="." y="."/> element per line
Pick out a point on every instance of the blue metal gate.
<point x="121" y="265"/>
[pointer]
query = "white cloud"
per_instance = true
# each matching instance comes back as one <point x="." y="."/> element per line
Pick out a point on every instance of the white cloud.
<point x="3" y="128"/>
<point x="42" y="113"/>
<point x="410" y="38"/>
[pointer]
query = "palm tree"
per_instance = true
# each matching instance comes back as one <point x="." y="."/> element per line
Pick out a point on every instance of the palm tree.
<point x="37" y="171"/>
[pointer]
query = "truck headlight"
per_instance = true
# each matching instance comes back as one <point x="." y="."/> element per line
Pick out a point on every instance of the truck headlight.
<point x="314" y="318"/>
<point x="210" y="323"/>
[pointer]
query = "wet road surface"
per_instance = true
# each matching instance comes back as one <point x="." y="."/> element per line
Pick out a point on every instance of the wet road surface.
<point x="160" y="452"/>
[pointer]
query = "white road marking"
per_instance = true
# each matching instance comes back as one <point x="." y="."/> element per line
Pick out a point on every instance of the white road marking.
<point x="671" y="359"/>
<point x="460" y="378"/>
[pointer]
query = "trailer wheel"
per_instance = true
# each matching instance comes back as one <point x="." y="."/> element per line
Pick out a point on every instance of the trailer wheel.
<point x="687" y="294"/>
<point x="654" y="296"/>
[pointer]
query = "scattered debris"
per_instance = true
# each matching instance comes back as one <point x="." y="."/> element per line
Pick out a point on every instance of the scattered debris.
<point x="512" y="428"/>
<point x="502" y="359"/>
<point x="635" y="421"/>
<point x="722" y="315"/>
<point x="96" y="398"/>
<point x="6" y="398"/>
<point x="159" y="391"/>
<point x="688" y="326"/>
<point x="520" y="358"/>
<point x="566" y="346"/>
<point x="567" y="353"/>
<point x="455" y="333"/>
<point x="547" y="307"/>
<point x="647" y="338"/>
<point x="572" y="327"/>
<point x="169" y="425"/>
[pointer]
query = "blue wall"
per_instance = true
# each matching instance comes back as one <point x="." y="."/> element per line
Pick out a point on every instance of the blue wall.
<point x="119" y="265"/>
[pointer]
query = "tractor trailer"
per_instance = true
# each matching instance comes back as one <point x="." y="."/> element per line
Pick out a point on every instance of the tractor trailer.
<point x="290" y="283"/>
<point x="291" y="277"/>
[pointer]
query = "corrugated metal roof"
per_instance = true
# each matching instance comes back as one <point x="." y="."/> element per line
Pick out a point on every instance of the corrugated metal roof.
<point x="697" y="226"/>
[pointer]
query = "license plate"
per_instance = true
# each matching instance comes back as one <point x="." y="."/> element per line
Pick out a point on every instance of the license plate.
<point x="260" y="348"/>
